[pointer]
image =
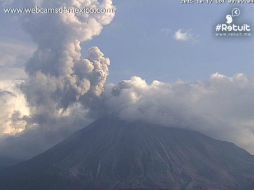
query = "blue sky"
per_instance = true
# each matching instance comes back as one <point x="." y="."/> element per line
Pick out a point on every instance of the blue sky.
<point x="140" y="41"/>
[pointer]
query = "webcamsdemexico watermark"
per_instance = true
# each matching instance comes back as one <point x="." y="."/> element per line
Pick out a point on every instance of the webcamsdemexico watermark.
<point x="232" y="26"/>
<point x="59" y="10"/>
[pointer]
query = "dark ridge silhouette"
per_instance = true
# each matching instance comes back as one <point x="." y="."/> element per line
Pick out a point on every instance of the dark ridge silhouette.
<point x="112" y="154"/>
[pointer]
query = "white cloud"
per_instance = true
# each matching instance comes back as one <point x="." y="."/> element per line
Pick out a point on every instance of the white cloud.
<point x="221" y="107"/>
<point x="183" y="36"/>
<point x="14" y="108"/>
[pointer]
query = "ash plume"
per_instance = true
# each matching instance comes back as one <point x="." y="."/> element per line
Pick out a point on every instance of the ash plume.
<point x="61" y="84"/>
<point x="58" y="75"/>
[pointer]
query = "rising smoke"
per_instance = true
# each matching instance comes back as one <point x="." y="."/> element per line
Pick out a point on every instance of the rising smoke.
<point x="62" y="85"/>
<point x="58" y="74"/>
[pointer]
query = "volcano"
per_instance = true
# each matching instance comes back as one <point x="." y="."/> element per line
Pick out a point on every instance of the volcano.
<point x="112" y="154"/>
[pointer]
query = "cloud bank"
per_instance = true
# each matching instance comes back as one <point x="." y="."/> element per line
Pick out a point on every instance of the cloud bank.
<point x="221" y="107"/>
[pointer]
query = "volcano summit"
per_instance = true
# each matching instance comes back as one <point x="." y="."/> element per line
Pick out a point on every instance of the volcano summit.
<point x="112" y="154"/>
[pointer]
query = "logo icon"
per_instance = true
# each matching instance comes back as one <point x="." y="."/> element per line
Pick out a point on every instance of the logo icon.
<point x="229" y="19"/>
<point x="236" y="12"/>
<point x="232" y="27"/>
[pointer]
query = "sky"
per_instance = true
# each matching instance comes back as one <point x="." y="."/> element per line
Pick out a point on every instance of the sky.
<point x="149" y="49"/>
<point x="159" y="62"/>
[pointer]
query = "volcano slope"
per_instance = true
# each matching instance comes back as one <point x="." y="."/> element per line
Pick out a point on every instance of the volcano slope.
<point x="112" y="154"/>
